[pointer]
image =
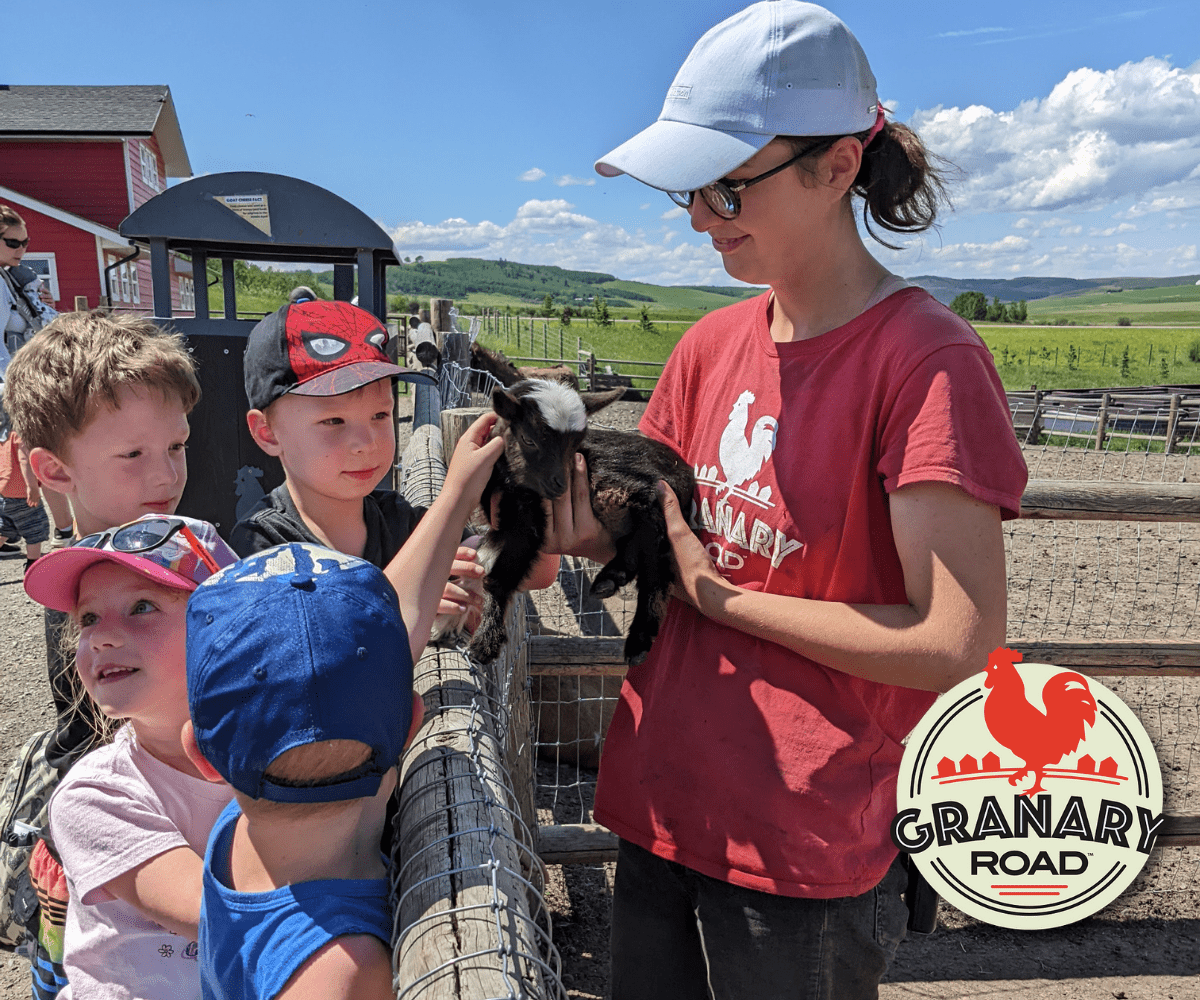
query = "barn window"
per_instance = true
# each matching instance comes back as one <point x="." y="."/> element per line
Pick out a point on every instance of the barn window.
<point x="149" y="167"/>
<point x="124" y="282"/>
<point x="134" y="286"/>
<point x="187" y="294"/>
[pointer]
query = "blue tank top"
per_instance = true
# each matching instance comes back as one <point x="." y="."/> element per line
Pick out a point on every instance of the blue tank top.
<point x="252" y="942"/>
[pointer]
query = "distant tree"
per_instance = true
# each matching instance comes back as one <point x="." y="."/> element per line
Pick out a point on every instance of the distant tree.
<point x="548" y="305"/>
<point x="1124" y="321"/>
<point x="419" y="258"/>
<point x="1018" y="312"/>
<point x="567" y="313"/>
<point x="996" y="312"/>
<point x="644" y="323"/>
<point x="603" y="317"/>
<point x="971" y="306"/>
<point x="1125" y="363"/>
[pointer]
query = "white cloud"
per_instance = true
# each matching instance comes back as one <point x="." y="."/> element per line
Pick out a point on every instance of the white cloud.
<point x="532" y="174"/>
<point x="551" y="232"/>
<point x="674" y="213"/>
<point x="566" y="180"/>
<point x="1096" y="138"/>
<point x="1124" y="227"/>
<point x="970" y="31"/>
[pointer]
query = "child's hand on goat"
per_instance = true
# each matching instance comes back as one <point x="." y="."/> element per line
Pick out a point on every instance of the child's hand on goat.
<point x="571" y="525"/>
<point x="462" y="598"/>
<point x="697" y="581"/>
<point x="473" y="458"/>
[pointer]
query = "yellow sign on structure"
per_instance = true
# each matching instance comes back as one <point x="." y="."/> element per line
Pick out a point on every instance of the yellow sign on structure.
<point x="251" y="207"/>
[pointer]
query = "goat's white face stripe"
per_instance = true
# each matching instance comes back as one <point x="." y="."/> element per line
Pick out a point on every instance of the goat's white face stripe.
<point x="561" y="407"/>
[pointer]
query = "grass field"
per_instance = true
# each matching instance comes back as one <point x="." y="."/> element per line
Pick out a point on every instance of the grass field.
<point x="1176" y="304"/>
<point x="1041" y="356"/>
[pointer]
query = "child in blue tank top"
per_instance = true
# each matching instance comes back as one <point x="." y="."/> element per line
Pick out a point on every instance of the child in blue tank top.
<point x="300" y="689"/>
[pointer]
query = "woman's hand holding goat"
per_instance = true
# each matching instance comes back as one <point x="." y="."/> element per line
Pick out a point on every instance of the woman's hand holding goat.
<point x="571" y="524"/>
<point x="697" y="581"/>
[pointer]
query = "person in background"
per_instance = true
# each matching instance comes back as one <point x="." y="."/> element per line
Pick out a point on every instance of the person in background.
<point x="21" y="511"/>
<point x="25" y="307"/>
<point x="858" y="458"/>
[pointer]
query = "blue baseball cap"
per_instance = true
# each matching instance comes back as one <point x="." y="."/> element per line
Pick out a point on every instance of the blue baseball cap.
<point x="779" y="67"/>
<point x="294" y="645"/>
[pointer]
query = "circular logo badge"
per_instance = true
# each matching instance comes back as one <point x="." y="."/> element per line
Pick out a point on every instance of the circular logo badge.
<point x="1029" y="796"/>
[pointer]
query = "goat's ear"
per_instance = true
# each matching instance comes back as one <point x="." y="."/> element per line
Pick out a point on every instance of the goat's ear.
<point x="593" y="401"/>
<point x="505" y="405"/>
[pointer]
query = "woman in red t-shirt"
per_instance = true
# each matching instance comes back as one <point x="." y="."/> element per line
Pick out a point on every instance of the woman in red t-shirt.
<point x="854" y="458"/>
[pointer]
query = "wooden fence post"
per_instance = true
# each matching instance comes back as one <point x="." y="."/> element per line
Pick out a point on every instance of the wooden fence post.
<point x="591" y="372"/>
<point x="1102" y="422"/>
<point x="1172" y="422"/>
<point x="439" y="318"/>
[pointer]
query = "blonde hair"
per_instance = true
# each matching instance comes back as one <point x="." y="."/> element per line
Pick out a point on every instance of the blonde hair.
<point x="78" y="362"/>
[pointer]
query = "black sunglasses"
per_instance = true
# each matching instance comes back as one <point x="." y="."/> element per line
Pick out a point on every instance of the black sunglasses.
<point x="142" y="536"/>
<point x="15" y="244"/>
<point x="722" y="196"/>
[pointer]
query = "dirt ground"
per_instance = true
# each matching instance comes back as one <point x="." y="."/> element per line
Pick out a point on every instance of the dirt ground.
<point x="1146" y="946"/>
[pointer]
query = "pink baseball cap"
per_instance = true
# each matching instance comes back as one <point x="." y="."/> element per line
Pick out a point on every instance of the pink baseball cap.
<point x="176" y="552"/>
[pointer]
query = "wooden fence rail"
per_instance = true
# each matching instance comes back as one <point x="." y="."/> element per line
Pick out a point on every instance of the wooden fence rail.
<point x="591" y="656"/>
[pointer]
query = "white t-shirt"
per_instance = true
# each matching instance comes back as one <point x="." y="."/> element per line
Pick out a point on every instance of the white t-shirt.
<point x="118" y="807"/>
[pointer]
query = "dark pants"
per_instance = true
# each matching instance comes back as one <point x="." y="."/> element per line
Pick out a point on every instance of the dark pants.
<point x="679" y="934"/>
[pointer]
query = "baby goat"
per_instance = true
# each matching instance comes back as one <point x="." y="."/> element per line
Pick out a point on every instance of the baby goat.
<point x="544" y="423"/>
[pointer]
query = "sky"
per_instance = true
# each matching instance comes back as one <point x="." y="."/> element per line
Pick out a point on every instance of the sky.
<point x="470" y="127"/>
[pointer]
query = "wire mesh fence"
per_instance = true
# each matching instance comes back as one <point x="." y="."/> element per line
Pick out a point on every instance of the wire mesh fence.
<point x="467" y="885"/>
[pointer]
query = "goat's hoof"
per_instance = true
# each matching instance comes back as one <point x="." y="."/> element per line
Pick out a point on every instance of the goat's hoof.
<point x="604" y="586"/>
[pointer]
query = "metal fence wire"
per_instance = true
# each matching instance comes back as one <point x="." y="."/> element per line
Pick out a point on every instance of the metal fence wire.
<point x="467" y="885"/>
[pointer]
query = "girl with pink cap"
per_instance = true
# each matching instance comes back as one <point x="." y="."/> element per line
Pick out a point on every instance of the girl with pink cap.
<point x="131" y="819"/>
<point x="854" y="459"/>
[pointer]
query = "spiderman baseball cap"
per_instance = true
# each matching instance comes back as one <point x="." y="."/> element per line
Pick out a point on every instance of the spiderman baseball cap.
<point x="298" y="644"/>
<point x="318" y="348"/>
<point x="775" y="68"/>
<point x="171" y="551"/>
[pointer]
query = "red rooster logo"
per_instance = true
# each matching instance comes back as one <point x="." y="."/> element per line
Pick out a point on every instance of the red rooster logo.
<point x="1040" y="740"/>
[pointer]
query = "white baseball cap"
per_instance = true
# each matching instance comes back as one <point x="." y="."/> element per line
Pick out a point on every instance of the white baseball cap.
<point x="779" y="67"/>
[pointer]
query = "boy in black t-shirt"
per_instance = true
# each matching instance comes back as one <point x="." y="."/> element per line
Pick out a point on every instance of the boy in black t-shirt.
<point x="319" y="383"/>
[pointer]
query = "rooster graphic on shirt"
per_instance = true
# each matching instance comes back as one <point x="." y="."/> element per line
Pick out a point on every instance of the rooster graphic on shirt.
<point x="729" y="516"/>
<point x="741" y="455"/>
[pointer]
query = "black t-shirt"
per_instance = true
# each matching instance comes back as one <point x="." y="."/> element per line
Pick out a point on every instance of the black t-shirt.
<point x="390" y="519"/>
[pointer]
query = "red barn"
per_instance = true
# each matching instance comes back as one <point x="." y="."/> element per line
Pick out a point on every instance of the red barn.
<point x="74" y="161"/>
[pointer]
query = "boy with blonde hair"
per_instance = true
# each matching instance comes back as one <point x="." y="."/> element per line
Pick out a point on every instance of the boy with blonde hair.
<point x="101" y="405"/>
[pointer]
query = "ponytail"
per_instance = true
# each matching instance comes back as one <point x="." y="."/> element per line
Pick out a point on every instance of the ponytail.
<point x="899" y="183"/>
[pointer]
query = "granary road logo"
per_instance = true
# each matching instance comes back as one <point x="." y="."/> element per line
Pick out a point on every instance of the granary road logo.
<point x="1028" y="796"/>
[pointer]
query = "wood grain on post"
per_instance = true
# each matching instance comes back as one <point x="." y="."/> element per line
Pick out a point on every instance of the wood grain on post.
<point x="1064" y="500"/>
<point x="455" y="423"/>
<point x="439" y="314"/>
<point x="1172" y="422"/>
<point x="1102" y="422"/>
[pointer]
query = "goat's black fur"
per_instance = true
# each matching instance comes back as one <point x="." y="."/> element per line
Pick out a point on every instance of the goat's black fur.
<point x="623" y="474"/>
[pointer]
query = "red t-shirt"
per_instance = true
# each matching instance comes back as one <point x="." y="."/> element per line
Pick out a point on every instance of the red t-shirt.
<point x="12" y="480"/>
<point x="733" y="755"/>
